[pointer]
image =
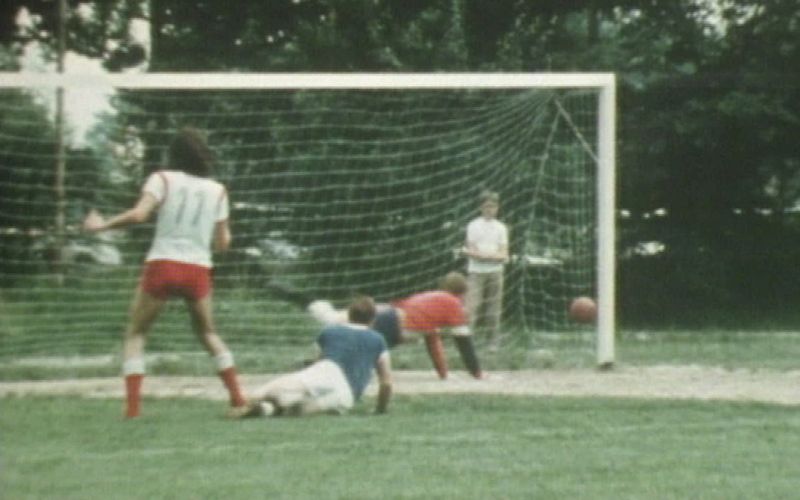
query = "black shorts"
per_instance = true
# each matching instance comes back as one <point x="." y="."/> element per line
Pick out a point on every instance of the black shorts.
<point x="387" y="323"/>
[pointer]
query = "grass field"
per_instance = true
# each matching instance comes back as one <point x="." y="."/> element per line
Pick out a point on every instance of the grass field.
<point x="771" y="350"/>
<point x="460" y="446"/>
<point x="465" y="447"/>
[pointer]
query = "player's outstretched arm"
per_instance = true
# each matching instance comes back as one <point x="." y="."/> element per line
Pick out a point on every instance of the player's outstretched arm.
<point x="94" y="222"/>
<point x="384" y="369"/>
<point x="435" y="347"/>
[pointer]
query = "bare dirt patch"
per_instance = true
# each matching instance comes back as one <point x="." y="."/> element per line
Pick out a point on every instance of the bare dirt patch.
<point x="654" y="382"/>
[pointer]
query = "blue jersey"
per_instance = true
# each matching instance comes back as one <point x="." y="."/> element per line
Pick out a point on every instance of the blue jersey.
<point x="355" y="350"/>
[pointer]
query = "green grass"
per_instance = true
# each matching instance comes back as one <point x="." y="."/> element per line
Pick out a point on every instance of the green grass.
<point x="87" y="317"/>
<point x="779" y="351"/>
<point x="751" y="350"/>
<point x="466" y="447"/>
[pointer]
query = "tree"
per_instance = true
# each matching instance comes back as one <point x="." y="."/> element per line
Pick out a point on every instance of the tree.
<point x="708" y="93"/>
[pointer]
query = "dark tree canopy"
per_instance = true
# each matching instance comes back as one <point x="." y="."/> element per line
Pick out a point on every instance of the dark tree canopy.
<point x="709" y="96"/>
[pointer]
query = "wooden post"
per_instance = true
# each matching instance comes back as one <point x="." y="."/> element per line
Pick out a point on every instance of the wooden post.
<point x="60" y="172"/>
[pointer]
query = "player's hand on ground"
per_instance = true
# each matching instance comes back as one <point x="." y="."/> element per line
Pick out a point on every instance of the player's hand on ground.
<point x="93" y="221"/>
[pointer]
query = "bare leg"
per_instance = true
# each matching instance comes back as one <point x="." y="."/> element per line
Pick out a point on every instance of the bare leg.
<point x="203" y="326"/>
<point x="143" y="311"/>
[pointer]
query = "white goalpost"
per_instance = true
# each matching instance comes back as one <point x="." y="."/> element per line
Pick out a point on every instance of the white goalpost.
<point x="339" y="183"/>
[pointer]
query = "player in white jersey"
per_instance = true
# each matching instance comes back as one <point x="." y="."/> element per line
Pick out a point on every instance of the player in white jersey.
<point x="190" y="207"/>
<point x="192" y="221"/>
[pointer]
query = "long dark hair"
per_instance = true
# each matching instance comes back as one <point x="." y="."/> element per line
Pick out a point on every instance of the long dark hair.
<point x="189" y="153"/>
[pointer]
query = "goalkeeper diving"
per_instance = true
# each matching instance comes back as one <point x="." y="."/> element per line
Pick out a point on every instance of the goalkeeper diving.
<point x="428" y="315"/>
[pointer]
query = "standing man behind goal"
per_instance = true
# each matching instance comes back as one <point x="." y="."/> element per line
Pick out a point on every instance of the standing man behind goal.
<point x="192" y="221"/>
<point x="486" y="249"/>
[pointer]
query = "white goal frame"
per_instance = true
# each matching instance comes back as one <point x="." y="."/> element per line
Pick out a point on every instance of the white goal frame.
<point x="606" y="135"/>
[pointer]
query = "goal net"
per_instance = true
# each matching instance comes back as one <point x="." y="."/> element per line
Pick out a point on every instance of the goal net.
<point x="339" y="184"/>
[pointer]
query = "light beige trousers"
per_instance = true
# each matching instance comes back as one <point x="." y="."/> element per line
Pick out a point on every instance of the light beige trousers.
<point x="484" y="303"/>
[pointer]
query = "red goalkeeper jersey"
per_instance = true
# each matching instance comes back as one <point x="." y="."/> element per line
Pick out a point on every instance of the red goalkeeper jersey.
<point x="427" y="312"/>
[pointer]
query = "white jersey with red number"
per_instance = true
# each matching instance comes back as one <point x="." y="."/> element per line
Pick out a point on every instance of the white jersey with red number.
<point x="189" y="208"/>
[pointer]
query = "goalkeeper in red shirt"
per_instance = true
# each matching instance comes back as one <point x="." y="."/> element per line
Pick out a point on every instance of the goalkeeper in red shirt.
<point x="428" y="314"/>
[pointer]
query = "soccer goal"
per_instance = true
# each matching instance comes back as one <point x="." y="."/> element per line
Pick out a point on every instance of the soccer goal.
<point x="339" y="184"/>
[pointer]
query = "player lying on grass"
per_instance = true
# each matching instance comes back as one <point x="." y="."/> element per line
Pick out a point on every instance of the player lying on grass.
<point x="192" y="220"/>
<point x="427" y="314"/>
<point x="336" y="380"/>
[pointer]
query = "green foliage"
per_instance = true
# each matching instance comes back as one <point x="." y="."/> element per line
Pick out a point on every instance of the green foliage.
<point x="28" y="200"/>
<point x="27" y="177"/>
<point x="251" y="320"/>
<point x="427" y="447"/>
<point x="708" y="99"/>
<point x="731" y="348"/>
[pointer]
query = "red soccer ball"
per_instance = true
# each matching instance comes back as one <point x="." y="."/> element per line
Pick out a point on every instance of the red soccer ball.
<point x="583" y="310"/>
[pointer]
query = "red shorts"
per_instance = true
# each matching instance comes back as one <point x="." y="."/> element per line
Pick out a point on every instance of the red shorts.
<point x="165" y="278"/>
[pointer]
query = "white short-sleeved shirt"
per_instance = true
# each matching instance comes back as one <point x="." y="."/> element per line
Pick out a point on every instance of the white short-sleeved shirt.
<point x="189" y="208"/>
<point x="487" y="235"/>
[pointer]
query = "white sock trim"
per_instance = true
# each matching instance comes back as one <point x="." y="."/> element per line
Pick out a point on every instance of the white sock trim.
<point x="223" y="361"/>
<point x="133" y="366"/>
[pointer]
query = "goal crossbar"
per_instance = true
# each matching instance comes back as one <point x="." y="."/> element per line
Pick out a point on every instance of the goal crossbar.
<point x="309" y="80"/>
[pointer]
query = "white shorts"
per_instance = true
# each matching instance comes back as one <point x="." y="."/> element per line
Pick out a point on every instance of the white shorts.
<point x="318" y="388"/>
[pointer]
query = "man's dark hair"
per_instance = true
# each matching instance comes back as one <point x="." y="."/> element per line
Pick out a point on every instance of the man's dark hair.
<point x="361" y="310"/>
<point x="189" y="153"/>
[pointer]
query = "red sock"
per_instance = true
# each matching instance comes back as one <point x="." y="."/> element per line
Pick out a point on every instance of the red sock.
<point x="133" y="388"/>
<point x="436" y="351"/>
<point x="230" y="380"/>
